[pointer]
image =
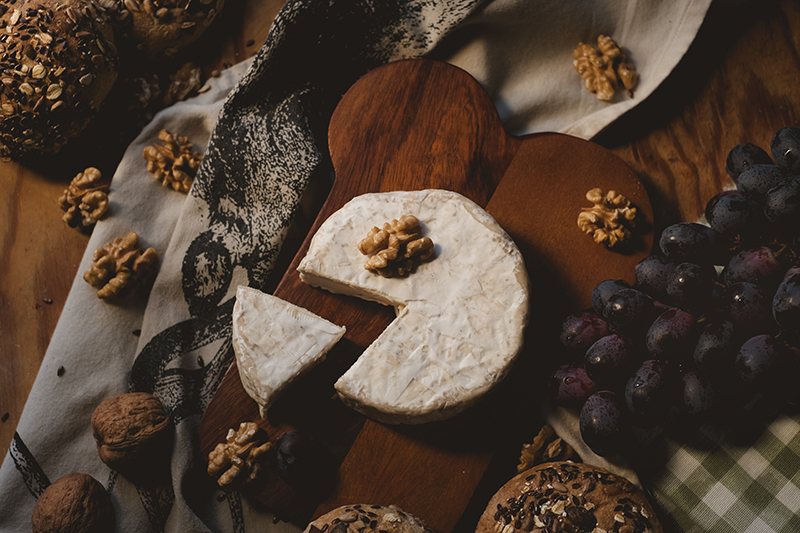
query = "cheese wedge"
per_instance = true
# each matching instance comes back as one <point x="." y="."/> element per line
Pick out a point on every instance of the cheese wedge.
<point x="275" y="342"/>
<point x="461" y="315"/>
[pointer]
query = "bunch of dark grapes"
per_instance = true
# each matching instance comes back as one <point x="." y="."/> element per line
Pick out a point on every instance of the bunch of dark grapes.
<point x="714" y="318"/>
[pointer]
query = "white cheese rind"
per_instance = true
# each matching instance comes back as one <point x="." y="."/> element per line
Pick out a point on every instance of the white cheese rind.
<point x="461" y="315"/>
<point x="275" y="342"/>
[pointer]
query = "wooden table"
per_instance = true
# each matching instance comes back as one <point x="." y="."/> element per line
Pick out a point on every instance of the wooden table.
<point x="738" y="83"/>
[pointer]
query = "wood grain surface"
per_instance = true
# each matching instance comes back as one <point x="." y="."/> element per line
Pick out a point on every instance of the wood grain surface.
<point x="419" y="124"/>
<point x="738" y="83"/>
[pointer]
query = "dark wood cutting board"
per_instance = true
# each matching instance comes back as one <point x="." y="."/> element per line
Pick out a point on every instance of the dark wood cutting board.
<point x="418" y="124"/>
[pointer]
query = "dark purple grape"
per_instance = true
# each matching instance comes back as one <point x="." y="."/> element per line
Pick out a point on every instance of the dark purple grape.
<point x="689" y="285"/>
<point x="608" y="361"/>
<point x="785" y="148"/>
<point x="688" y="241"/>
<point x="672" y="335"/>
<point x="786" y="302"/>
<point x="629" y="310"/>
<point x="757" y="265"/>
<point x="570" y="385"/>
<point x="782" y="204"/>
<point x="304" y="463"/>
<point x="699" y="394"/>
<point x="604" y="290"/>
<point x="652" y="273"/>
<point x="757" y="180"/>
<point x="743" y="156"/>
<point x="582" y="329"/>
<point x="650" y="392"/>
<point x="603" y="423"/>
<point x="731" y="214"/>
<point x="716" y="346"/>
<point x="747" y="306"/>
<point x="760" y="360"/>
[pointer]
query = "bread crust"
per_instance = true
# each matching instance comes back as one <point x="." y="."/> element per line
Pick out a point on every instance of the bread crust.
<point x="366" y="518"/>
<point x="60" y="61"/>
<point x="566" y="496"/>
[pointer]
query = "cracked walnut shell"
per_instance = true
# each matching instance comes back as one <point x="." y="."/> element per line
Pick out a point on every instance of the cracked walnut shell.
<point x="396" y="248"/>
<point x="121" y="266"/>
<point x="74" y="502"/>
<point x="610" y="220"/>
<point x="85" y="200"/>
<point x="240" y="459"/>
<point x="175" y="163"/>
<point x="134" y="435"/>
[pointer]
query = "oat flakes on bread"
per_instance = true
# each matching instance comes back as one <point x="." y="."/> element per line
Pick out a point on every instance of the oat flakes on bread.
<point x="566" y="496"/>
<point x="162" y="28"/>
<point x="59" y="61"/>
<point x="364" y="518"/>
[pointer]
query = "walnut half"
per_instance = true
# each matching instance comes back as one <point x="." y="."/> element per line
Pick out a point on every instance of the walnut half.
<point x="242" y="456"/>
<point x="605" y="68"/>
<point x="175" y="163"/>
<point x="85" y="200"/>
<point x="121" y="266"/>
<point x="396" y="248"/>
<point x="611" y="218"/>
<point x="546" y="447"/>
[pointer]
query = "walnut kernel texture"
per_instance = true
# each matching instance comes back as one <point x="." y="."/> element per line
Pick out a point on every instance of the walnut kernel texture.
<point x="396" y="248"/>
<point x="611" y="220"/>
<point x="121" y="266"/>
<point x="85" y="200"/>
<point x="240" y="459"/>
<point x="605" y="68"/>
<point x="174" y="163"/>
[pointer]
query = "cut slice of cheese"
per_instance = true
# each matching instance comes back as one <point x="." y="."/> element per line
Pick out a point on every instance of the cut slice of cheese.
<point x="275" y="342"/>
<point x="461" y="315"/>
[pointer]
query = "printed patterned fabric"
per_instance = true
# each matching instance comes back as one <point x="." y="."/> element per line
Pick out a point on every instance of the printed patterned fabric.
<point x="262" y="127"/>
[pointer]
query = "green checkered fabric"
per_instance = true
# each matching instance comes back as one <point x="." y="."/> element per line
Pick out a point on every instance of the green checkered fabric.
<point x="717" y="484"/>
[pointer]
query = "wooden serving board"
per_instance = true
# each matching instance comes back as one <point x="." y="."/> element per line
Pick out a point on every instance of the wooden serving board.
<point x="417" y="124"/>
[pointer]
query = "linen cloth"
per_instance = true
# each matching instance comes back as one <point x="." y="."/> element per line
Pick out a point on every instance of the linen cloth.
<point x="262" y="128"/>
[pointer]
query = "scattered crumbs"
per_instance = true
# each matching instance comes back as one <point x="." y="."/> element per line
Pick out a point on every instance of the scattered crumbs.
<point x="275" y="520"/>
<point x="60" y="371"/>
<point x="251" y="42"/>
<point x="137" y="332"/>
<point x="5" y="416"/>
<point x="200" y="361"/>
<point x="221" y="497"/>
<point x="215" y="73"/>
<point x="48" y="301"/>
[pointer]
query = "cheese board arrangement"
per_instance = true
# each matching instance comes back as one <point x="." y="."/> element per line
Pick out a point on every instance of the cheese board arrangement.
<point x="422" y="136"/>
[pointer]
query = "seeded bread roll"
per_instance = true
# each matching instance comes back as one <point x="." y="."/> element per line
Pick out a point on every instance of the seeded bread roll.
<point x="568" y="496"/>
<point x="363" y="518"/>
<point x="161" y="28"/>
<point x="58" y="62"/>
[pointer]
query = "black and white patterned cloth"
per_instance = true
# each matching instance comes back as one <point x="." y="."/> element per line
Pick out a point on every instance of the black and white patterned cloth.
<point x="262" y="125"/>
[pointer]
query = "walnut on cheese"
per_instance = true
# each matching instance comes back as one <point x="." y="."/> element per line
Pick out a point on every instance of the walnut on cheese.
<point x="120" y="266"/>
<point x="85" y="200"/>
<point x="396" y="248"/>
<point x="175" y="163"/>
<point x="603" y="70"/>
<point x="241" y="457"/>
<point x="611" y="218"/>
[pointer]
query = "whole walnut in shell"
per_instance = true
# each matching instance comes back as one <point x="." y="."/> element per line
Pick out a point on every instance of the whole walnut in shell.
<point x="75" y="503"/>
<point x="134" y="436"/>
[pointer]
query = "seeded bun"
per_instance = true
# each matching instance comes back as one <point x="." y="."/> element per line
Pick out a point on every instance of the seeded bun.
<point x="363" y="518"/>
<point x="59" y="62"/>
<point x="577" y="496"/>
<point x="161" y="28"/>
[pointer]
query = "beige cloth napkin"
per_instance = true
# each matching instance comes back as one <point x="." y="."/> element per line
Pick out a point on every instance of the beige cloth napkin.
<point x="520" y="50"/>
